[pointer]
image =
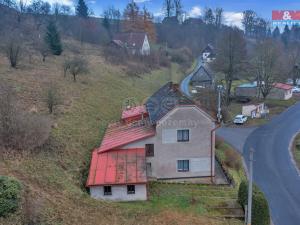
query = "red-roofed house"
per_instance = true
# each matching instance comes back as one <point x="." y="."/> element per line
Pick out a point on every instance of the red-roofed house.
<point x="281" y="91"/>
<point x="168" y="138"/>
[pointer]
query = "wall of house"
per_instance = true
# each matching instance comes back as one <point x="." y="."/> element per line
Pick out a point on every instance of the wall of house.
<point x="167" y="150"/>
<point x="146" y="47"/>
<point x="119" y="193"/>
<point x="280" y="94"/>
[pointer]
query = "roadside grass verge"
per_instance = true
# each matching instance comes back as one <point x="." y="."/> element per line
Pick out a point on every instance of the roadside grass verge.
<point x="296" y="150"/>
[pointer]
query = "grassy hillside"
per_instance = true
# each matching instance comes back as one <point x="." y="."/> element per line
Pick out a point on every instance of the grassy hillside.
<point x="53" y="178"/>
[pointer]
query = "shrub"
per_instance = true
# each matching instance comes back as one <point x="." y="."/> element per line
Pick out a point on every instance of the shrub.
<point x="52" y="98"/>
<point x="13" y="52"/>
<point x="260" y="207"/>
<point x="20" y="130"/>
<point x="232" y="159"/>
<point x="10" y="191"/>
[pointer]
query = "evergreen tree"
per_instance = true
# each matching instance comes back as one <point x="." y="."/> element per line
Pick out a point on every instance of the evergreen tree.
<point x="52" y="39"/>
<point x="276" y="33"/>
<point x="82" y="9"/>
<point x="286" y="35"/>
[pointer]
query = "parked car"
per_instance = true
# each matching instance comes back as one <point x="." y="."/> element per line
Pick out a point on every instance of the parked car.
<point x="296" y="90"/>
<point x="240" y="119"/>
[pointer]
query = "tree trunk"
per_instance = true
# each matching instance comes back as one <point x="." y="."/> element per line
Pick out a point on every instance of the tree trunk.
<point x="74" y="77"/>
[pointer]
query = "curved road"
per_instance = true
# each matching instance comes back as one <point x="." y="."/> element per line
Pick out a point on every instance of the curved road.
<point x="274" y="171"/>
<point x="185" y="83"/>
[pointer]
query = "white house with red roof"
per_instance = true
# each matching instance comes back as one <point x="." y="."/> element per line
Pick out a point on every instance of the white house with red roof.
<point x="169" y="137"/>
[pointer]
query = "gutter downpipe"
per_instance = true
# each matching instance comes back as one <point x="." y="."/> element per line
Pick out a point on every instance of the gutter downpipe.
<point x="211" y="152"/>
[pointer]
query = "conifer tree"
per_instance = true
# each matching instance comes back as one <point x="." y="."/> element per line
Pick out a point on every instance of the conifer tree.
<point x="52" y="39"/>
<point x="82" y="9"/>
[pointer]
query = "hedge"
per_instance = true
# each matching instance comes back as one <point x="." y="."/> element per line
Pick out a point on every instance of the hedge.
<point x="260" y="207"/>
<point x="10" y="191"/>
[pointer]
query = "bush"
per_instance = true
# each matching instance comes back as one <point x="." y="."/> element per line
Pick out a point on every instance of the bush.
<point x="183" y="57"/>
<point x="20" y="130"/>
<point x="260" y="207"/>
<point x="10" y="191"/>
<point x="232" y="159"/>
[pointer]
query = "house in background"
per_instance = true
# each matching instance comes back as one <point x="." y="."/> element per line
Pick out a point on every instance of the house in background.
<point x="169" y="137"/>
<point x="203" y="77"/>
<point x="134" y="43"/>
<point x="281" y="91"/>
<point x="255" y="110"/>
<point x="208" y="54"/>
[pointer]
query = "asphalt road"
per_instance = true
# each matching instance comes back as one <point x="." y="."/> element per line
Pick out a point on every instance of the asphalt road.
<point x="236" y="137"/>
<point x="274" y="171"/>
<point x="184" y="86"/>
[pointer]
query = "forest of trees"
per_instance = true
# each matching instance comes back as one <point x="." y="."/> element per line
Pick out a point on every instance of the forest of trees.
<point x="241" y="53"/>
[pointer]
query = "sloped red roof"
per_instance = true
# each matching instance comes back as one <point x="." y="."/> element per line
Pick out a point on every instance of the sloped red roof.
<point x="120" y="134"/>
<point x="133" y="112"/>
<point x="283" y="86"/>
<point x="116" y="167"/>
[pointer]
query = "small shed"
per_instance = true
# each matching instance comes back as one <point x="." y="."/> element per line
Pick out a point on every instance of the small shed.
<point x="247" y="90"/>
<point x="281" y="91"/>
<point x="255" y="110"/>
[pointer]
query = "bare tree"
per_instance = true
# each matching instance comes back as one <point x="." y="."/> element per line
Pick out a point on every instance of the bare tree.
<point x="231" y="55"/>
<point x="218" y="17"/>
<point x="168" y="7"/>
<point x="13" y="52"/>
<point x="178" y="7"/>
<point x="249" y="17"/>
<point x="78" y="66"/>
<point x="66" y="66"/>
<point x="266" y="65"/>
<point x="21" y="7"/>
<point x="52" y="98"/>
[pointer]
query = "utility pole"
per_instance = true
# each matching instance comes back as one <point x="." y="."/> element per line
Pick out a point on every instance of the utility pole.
<point x="250" y="191"/>
<point x="219" y="115"/>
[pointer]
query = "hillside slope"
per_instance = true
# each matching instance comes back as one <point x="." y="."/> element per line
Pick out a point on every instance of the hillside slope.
<point x="53" y="178"/>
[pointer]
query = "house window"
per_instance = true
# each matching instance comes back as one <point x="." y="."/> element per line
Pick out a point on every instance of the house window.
<point x="130" y="189"/>
<point x="107" y="190"/>
<point x="183" y="165"/>
<point x="183" y="135"/>
<point x="149" y="150"/>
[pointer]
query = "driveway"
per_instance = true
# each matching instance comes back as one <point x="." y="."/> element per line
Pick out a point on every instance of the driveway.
<point x="185" y="83"/>
<point x="274" y="171"/>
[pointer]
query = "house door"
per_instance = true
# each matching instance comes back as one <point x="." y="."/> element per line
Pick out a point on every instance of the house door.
<point x="149" y="170"/>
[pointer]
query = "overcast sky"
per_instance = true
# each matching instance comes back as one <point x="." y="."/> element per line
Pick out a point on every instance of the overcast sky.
<point x="195" y="8"/>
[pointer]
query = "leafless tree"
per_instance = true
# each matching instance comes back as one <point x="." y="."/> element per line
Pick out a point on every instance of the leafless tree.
<point x="266" y="65"/>
<point x="178" y="7"/>
<point x="43" y="49"/>
<point x="218" y="17"/>
<point x="168" y="7"/>
<point x="52" y="98"/>
<point x="78" y="66"/>
<point x="249" y="17"/>
<point x="231" y="54"/>
<point x="13" y="52"/>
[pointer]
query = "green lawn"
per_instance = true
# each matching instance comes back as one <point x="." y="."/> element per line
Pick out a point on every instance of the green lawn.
<point x="296" y="150"/>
